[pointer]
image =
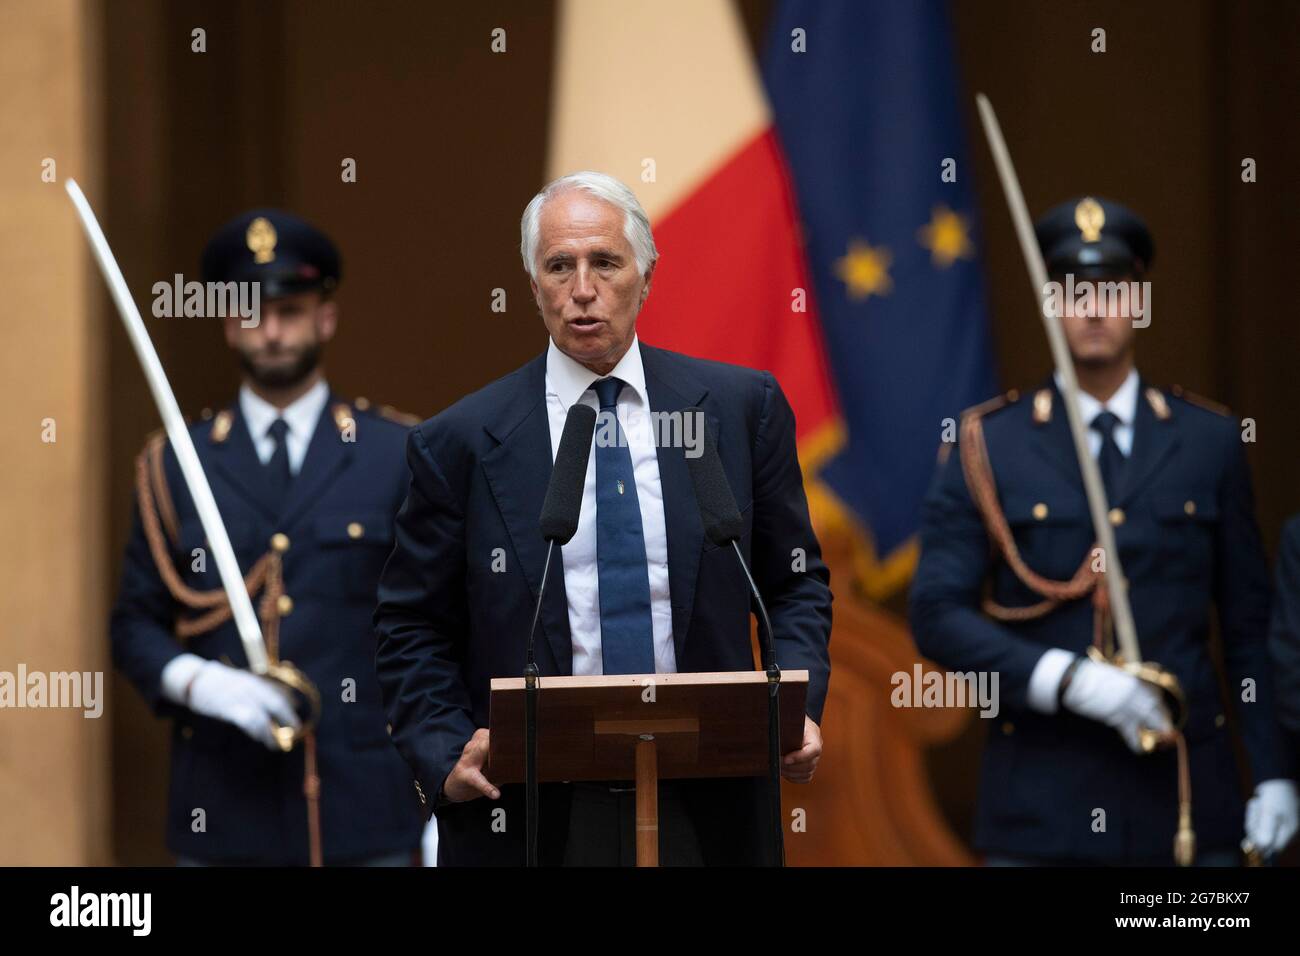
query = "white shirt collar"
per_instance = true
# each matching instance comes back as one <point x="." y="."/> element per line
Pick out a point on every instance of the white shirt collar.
<point x="1123" y="404"/>
<point x="301" y="414"/>
<point x="568" y="379"/>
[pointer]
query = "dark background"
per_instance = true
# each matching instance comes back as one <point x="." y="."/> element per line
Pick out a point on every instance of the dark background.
<point x="450" y="144"/>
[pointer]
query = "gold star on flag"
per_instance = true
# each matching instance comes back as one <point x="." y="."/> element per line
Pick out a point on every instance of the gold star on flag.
<point x="946" y="237"/>
<point x="864" y="269"/>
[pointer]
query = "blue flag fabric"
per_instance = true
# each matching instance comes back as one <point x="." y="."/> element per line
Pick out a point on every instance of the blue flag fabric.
<point x="867" y="114"/>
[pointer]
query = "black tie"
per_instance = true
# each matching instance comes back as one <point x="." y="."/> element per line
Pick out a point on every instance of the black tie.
<point x="1110" y="460"/>
<point x="277" y="469"/>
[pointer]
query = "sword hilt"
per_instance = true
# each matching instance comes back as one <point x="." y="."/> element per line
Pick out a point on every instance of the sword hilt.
<point x="285" y="674"/>
<point x="1171" y="693"/>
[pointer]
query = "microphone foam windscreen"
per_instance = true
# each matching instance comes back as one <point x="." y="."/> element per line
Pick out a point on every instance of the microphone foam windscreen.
<point x="563" y="502"/>
<point x="722" y="521"/>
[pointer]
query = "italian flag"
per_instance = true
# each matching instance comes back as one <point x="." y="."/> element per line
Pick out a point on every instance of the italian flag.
<point x="666" y="97"/>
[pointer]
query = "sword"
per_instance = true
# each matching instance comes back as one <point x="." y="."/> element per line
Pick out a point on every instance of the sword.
<point x="232" y="580"/>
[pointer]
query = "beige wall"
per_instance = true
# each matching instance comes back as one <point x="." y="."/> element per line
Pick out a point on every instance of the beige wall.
<point x="53" y="763"/>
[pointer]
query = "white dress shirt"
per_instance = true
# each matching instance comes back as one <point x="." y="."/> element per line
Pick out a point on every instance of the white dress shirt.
<point x="567" y="382"/>
<point x="301" y="416"/>
<point x="1049" y="670"/>
<point x="1123" y="405"/>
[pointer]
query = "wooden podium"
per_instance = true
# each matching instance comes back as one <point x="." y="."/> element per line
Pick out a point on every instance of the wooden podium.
<point x="643" y="727"/>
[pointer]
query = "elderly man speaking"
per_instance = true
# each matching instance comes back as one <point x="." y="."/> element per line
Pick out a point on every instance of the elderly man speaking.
<point x="641" y="591"/>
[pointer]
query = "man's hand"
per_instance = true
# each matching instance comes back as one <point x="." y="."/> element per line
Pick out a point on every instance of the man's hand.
<point x="1271" y="816"/>
<point x="799" y="766"/>
<point x="466" y="780"/>
<point x="242" y="698"/>
<point x="1112" y="696"/>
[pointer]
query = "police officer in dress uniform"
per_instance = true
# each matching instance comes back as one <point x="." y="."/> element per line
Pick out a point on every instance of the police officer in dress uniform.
<point x="308" y="485"/>
<point x="1008" y="583"/>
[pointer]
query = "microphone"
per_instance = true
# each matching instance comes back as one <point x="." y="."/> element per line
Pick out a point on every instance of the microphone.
<point x="563" y="502"/>
<point x="559" y="522"/>
<point x="723" y="525"/>
<point x="718" y="511"/>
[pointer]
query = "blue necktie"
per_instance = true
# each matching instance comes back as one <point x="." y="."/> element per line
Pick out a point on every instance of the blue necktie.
<point x="277" y="468"/>
<point x="1110" y="460"/>
<point x="626" y="634"/>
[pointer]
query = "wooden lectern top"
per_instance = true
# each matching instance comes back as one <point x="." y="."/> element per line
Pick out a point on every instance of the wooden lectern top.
<point x="703" y="725"/>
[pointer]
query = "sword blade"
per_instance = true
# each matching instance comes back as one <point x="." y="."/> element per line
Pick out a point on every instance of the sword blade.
<point x="250" y="632"/>
<point x="1116" y="584"/>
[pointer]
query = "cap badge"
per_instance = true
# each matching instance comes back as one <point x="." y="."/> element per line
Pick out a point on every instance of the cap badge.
<point x="261" y="240"/>
<point x="1089" y="217"/>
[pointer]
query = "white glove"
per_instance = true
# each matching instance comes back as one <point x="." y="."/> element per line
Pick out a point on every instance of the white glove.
<point x="236" y="696"/>
<point x="1112" y="696"/>
<point x="1271" y="816"/>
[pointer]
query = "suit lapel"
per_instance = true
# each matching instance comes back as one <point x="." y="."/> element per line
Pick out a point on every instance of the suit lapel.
<point x="327" y="455"/>
<point x="1153" y="442"/>
<point x="518" y="471"/>
<point x="235" y="459"/>
<point x="681" y="512"/>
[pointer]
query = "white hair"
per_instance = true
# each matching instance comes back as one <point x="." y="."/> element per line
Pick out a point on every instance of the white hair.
<point x="636" y="224"/>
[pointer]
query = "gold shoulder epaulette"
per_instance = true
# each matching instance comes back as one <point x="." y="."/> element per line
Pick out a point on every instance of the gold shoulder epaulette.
<point x="402" y="418"/>
<point x="387" y="411"/>
<point x="993" y="404"/>
<point x="1180" y="392"/>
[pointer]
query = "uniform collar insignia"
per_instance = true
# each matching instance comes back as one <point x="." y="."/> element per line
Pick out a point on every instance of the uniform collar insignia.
<point x="343" y="419"/>
<point x="1156" y="399"/>
<point x="1042" y="406"/>
<point x="221" y="427"/>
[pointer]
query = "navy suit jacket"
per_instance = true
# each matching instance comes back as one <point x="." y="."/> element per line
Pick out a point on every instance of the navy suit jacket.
<point x="1188" y="540"/>
<point x="339" y="521"/>
<point x="448" y="623"/>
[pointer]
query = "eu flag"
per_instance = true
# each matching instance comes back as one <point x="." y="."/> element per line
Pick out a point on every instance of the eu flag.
<point x="864" y="97"/>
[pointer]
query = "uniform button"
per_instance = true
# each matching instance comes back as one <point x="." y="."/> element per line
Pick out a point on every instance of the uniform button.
<point x="1116" y="516"/>
<point x="1040" y="511"/>
<point x="280" y="542"/>
<point x="390" y="728"/>
<point x="187" y="732"/>
<point x="284" y="604"/>
<point x="1008" y="728"/>
<point x="1220" y="720"/>
<point x="355" y="530"/>
<point x="1189" y="506"/>
<point x="362" y="403"/>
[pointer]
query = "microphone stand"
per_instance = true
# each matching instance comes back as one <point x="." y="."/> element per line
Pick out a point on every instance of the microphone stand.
<point x="773" y="714"/>
<point x="531" y="676"/>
